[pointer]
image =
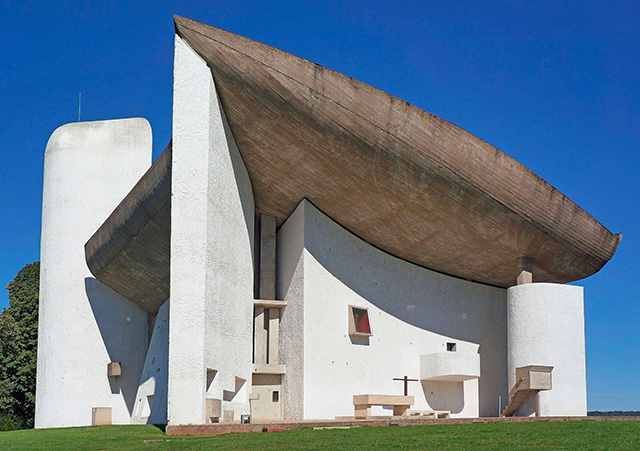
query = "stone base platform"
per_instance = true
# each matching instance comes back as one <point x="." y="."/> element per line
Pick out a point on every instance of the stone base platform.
<point x="229" y="428"/>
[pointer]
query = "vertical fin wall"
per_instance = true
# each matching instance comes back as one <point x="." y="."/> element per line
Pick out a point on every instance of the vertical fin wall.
<point x="290" y="288"/>
<point x="212" y="220"/>
<point x="89" y="167"/>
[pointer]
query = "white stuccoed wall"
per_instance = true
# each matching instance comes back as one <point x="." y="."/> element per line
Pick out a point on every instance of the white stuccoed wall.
<point x="151" y="399"/>
<point x="89" y="167"/>
<point x="546" y="327"/>
<point x="230" y="268"/>
<point x="210" y="321"/>
<point x="322" y="268"/>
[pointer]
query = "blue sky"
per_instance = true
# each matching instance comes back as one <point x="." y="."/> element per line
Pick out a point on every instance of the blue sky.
<point x="554" y="84"/>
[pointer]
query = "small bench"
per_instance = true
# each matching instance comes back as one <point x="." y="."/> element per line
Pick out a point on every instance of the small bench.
<point x="362" y="404"/>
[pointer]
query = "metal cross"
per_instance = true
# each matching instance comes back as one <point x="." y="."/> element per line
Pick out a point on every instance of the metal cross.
<point x="406" y="381"/>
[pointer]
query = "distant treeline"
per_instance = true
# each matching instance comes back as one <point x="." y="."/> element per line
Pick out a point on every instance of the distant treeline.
<point x="615" y="413"/>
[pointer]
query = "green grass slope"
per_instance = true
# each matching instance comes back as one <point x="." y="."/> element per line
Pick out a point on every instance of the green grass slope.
<point x="557" y="435"/>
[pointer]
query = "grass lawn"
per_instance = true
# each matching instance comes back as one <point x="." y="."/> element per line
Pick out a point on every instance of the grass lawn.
<point x="557" y="435"/>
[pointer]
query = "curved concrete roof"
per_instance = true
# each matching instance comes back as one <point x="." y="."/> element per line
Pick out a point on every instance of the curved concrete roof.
<point x="130" y="251"/>
<point x="402" y="179"/>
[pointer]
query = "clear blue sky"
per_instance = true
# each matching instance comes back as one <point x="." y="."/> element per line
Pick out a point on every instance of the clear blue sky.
<point x="555" y="84"/>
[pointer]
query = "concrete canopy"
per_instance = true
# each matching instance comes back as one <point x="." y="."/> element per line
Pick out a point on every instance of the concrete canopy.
<point x="400" y="178"/>
<point x="130" y="251"/>
<point x="405" y="180"/>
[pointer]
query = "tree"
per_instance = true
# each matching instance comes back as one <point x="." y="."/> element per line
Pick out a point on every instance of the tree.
<point x="18" y="349"/>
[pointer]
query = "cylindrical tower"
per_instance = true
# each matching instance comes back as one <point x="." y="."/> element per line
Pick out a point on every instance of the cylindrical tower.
<point x="83" y="325"/>
<point x="545" y="326"/>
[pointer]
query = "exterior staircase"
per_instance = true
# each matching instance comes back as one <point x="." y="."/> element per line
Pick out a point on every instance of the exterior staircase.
<point x="529" y="379"/>
<point x="516" y="398"/>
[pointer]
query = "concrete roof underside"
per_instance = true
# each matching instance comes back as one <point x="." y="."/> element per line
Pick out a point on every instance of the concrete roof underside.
<point x="130" y="251"/>
<point x="400" y="178"/>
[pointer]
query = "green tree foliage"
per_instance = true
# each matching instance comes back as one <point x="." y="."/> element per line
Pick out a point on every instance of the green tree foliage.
<point x="18" y="350"/>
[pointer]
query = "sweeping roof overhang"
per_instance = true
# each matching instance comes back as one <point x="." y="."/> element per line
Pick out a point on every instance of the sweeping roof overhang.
<point x="400" y="178"/>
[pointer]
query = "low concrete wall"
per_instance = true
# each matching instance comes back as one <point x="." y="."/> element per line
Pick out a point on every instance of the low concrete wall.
<point x="220" y="429"/>
<point x="546" y="327"/>
<point x="413" y="311"/>
<point x="88" y="169"/>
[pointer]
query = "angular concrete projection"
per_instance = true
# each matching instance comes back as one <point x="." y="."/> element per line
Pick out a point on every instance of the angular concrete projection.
<point x="449" y="366"/>
<point x="88" y="168"/>
<point x="130" y="251"/>
<point x="211" y="247"/>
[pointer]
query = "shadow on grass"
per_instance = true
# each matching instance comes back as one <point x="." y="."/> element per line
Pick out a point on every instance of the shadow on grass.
<point x="162" y="427"/>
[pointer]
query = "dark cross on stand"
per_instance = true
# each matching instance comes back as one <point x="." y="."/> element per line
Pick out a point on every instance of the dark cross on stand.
<point x="406" y="383"/>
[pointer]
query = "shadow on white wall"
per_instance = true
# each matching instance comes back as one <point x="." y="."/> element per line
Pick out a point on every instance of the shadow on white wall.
<point x="113" y="314"/>
<point x="443" y="395"/>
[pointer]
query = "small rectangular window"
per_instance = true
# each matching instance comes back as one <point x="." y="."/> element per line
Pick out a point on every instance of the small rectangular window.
<point x="359" y="324"/>
<point x="451" y="347"/>
<point x="275" y="396"/>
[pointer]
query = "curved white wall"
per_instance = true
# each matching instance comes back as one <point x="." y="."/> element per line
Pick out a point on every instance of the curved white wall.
<point x="322" y="269"/>
<point x="546" y="327"/>
<point x="89" y="167"/>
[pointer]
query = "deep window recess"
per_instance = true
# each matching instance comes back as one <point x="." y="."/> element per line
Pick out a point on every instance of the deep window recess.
<point x="451" y="347"/>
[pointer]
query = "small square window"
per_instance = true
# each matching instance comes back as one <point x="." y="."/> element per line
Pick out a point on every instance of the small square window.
<point x="451" y="347"/>
<point x="359" y="324"/>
